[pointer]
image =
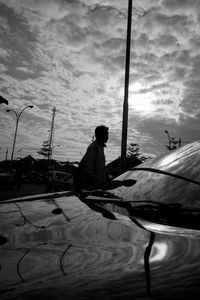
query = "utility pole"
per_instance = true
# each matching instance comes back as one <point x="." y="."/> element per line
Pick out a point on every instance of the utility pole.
<point x="125" y="105"/>
<point x="51" y="135"/>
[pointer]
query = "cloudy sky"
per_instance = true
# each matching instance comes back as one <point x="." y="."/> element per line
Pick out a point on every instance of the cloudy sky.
<point x="71" y="54"/>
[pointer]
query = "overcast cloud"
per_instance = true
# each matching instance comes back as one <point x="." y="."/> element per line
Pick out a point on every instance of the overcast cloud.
<point x="71" y="55"/>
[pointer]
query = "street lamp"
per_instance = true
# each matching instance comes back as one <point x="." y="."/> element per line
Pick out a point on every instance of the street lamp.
<point x="169" y="139"/>
<point x="17" y="122"/>
<point x="172" y="141"/>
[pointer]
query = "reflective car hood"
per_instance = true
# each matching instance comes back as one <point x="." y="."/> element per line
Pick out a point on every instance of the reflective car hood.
<point x="164" y="190"/>
<point x="174" y="178"/>
<point x="58" y="248"/>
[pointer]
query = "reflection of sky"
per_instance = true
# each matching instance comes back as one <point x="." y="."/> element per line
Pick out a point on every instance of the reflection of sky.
<point x="185" y="161"/>
<point x="168" y="161"/>
<point x="87" y="252"/>
<point x="152" y="186"/>
<point x="84" y="243"/>
<point x="158" y="252"/>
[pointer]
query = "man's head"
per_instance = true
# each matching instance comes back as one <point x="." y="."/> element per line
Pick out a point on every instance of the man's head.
<point x="101" y="133"/>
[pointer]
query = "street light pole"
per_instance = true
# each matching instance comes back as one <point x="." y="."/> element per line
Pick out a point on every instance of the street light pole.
<point x="169" y="139"/>
<point x="125" y="105"/>
<point x="172" y="141"/>
<point x="16" y="127"/>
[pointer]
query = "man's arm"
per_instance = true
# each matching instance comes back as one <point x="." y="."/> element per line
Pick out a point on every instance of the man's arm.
<point x="88" y="167"/>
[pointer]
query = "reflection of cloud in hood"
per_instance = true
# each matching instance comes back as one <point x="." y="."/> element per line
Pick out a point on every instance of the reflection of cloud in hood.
<point x="71" y="54"/>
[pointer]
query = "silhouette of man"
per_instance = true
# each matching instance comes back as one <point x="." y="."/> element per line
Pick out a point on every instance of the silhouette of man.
<point x="93" y="169"/>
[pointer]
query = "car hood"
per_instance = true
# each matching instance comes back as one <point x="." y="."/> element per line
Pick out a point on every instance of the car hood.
<point x="57" y="247"/>
<point x="174" y="178"/>
<point x="165" y="190"/>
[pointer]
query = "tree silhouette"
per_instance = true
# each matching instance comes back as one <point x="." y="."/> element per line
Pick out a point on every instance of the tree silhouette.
<point x="134" y="151"/>
<point x="45" y="150"/>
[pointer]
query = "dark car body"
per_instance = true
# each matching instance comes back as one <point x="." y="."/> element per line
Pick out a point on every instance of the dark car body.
<point x="102" y="245"/>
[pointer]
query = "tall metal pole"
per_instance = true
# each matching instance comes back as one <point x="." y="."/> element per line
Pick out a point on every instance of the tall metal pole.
<point x="16" y="128"/>
<point x="125" y="105"/>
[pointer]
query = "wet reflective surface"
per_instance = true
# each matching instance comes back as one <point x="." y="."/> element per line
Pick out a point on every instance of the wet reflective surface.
<point x="165" y="191"/>
<point x="154" y="186"/>
<point x="76" y="253"/>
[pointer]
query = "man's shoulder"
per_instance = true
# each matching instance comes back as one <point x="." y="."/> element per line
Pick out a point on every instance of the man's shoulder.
<point x="93" y="146"/>
<point x="93" y="149"/>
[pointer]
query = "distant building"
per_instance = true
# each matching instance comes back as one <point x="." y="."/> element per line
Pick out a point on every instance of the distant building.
<point x="28" y="162"/>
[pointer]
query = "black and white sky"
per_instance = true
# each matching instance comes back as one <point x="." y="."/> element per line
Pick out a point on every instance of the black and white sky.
<point x="71" y="54"/>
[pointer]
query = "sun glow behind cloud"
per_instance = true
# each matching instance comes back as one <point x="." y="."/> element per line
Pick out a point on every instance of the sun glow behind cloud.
<point x="140" y="102"/>
<point x="143" y="103"/>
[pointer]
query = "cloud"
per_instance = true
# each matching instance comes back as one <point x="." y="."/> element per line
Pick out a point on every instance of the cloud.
<point x="71" y="54"/>
<point x="3" y="53"/>
<point x="4" y="26"/>
<point x="181" y="7"/>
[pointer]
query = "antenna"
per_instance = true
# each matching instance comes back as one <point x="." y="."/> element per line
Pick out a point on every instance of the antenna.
<point x="51" y="134"/>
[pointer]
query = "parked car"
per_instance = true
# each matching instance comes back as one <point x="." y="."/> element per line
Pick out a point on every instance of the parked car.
<point x="6" y="179"/>
<point x="59" y="181"/>
<point x="165" y="190"/>
<point x="133" y="241"/>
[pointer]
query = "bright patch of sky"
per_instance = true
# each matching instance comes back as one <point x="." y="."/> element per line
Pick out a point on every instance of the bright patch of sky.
<point x="71" y="55"/>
